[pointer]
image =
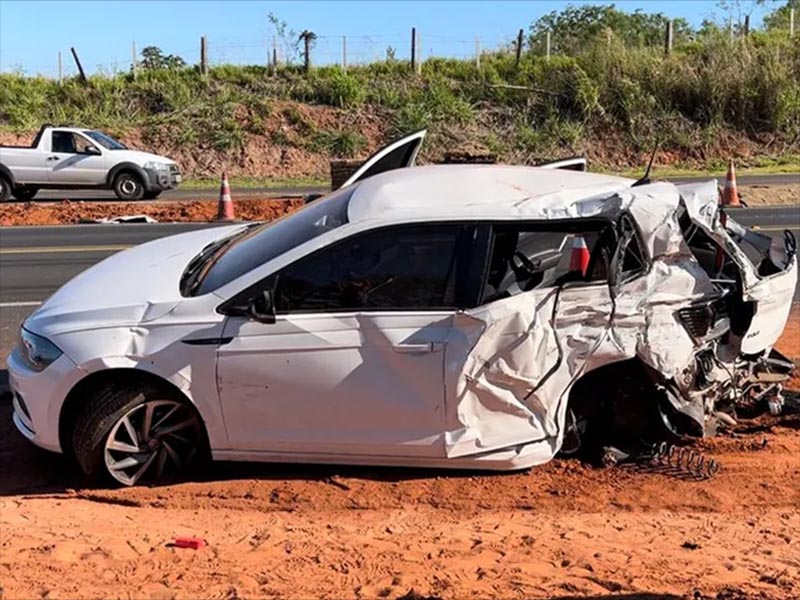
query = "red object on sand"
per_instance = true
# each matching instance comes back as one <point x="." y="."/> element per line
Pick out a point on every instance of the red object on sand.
<point x="190" y="542"/>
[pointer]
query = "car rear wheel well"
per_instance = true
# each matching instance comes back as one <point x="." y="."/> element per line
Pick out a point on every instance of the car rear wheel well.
<point x="91" y="385"/>
<point x="616" y="405"/>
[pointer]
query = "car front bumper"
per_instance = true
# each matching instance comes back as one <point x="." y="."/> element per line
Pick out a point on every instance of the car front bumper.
<point x="38" y="397"/>
<point x="159" y="180"/>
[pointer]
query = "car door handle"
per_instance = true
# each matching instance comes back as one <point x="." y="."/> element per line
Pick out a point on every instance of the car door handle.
<point x="52" y="158"/>
<point x="413" y="348"/>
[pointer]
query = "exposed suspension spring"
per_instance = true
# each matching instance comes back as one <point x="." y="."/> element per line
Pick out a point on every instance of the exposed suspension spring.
<point x="683" y="460"/>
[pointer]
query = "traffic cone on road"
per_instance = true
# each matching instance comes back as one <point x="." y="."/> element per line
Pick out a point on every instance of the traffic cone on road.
<point x="730" y="195"/>
<point x="579" y="259"/>
<point x="225" y="210"/>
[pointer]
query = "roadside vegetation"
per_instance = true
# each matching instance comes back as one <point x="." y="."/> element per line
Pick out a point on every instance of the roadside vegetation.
<point x="608" y="90"/>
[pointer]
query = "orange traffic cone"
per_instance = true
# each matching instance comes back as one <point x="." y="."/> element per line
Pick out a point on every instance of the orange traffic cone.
<point x="579" y="259"/>
<point x="730" y="195"/>
<point x="225" y="210"/>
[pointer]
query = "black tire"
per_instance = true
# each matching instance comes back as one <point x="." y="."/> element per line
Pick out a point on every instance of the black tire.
<point x="23" y="194"/>
<point x="5" y="189"/>
<point x="102" y="412"/>
<point x="151" y="195"/>
<point x="129" y="186"/>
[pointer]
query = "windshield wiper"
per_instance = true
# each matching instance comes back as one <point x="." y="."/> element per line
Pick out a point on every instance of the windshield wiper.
<point x="191" y="278"/>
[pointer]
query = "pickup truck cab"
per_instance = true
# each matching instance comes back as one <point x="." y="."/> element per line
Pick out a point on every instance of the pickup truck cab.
<point x="75" y="158"/>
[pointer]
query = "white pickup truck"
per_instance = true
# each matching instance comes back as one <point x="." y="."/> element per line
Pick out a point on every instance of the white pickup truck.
<point x="74" y="158"/>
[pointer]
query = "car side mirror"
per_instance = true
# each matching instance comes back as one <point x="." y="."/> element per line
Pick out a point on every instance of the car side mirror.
<point x="92" y="150"/>
<point x="262" y="308"/>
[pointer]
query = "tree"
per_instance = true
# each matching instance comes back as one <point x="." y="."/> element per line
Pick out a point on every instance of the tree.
<point x="575" y="27"/>
<point x="289" y="38"/>
<point x="153" y="59"/>
<point x="779" y="18"/>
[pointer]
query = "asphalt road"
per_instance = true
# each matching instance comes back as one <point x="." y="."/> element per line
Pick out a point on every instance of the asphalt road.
<point x="35" y="261"/>
<point x="213" y="193"/>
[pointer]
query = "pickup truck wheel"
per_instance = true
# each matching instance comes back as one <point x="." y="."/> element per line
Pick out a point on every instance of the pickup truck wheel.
<point x="5" y="189"/>
<point x="151" y="195"/>
<point x="128" y="186"/>
<point x="24" y="193"/>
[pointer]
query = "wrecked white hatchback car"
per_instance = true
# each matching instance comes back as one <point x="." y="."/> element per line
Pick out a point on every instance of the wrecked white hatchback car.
<point x="475" y="316"/>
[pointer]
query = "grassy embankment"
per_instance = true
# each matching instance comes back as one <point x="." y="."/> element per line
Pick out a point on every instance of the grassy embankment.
<point x="709" y="100"/>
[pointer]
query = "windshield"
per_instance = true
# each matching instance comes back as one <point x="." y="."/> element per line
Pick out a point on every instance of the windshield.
<point x="106" y="141"/>
<point x="270" y="240"/>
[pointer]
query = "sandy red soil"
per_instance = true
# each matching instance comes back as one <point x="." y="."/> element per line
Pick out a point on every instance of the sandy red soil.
<point x="564" y="530"/>
<point x="68" y="212"/>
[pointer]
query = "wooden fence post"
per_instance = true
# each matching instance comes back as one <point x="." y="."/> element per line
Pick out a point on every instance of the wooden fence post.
<point x="668" y="38"/>
<point x="414" y="49"/>
<point x="478" y="53"/>
<point x="80" y="66"/>
<point x="134" y="62"/>
<point x="307" y="36"/>
<point x="519" y="46"/>
<point x="547" y="45"/>
<point x="60" y="68"/>
<point x="344" y="53"/>
<point x="203" y="55"/>
<point x="746" y="25"/>
<point x="791" y="22"/>
<point x="274" y="53"/>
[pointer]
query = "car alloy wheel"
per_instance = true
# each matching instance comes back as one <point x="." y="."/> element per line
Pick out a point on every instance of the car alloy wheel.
<point x="152" y="440"/>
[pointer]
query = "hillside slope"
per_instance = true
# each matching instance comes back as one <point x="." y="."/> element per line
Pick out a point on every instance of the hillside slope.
<point x="707" y="101"/>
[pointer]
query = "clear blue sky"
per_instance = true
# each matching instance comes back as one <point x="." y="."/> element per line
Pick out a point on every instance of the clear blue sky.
<point x="33" y="32"/>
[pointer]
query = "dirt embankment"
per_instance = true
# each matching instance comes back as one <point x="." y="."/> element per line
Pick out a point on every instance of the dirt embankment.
<point x="563" y="530"/>
<point x="68" y="212"/>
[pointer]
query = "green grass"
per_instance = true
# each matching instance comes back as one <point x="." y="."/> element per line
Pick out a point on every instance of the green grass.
<point x="202" y="183"/>
<point x="772" y="167"/>
<point x="606" y="98"/>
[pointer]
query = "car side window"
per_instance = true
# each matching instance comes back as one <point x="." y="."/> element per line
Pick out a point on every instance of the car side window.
<point x="69" y="142"/>
<point x="526" y="257"/>
<point x="390" y="269"/>
<point x="64" y="141"/>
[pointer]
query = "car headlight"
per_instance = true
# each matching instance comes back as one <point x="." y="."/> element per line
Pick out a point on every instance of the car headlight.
<point x="38" y="352"/>
<point x="157" y="166"/>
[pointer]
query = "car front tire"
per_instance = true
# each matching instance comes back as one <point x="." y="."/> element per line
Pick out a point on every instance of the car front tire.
<point x="23" y="194"/>
<point x="138" y="434"/>
<point x="128" y="186"/>
<point x="151" y="195"/>
<point x="5" y="189"/>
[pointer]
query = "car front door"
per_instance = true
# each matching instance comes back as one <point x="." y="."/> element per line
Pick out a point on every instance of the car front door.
<point x="75" y="160"/>
<point x="354" y="362"/>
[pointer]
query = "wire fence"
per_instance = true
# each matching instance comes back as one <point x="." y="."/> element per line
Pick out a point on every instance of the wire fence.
<point x="328" y="49"/>
<point x="321" y="49"/>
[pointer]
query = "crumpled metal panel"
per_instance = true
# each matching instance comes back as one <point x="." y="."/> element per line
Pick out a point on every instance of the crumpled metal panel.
<point x="511" y="364"/>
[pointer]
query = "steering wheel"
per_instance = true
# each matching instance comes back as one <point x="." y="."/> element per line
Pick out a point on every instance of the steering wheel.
<point x="520" y="262"/>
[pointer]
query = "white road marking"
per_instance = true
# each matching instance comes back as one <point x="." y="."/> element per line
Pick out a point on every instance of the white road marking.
<point x="23" y="303"/>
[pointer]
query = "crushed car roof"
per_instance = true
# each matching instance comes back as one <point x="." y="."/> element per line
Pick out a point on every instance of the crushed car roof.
<point x="466" y="191"/>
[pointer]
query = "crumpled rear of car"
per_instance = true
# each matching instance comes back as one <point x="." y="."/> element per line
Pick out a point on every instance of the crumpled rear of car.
<point x="673" y="351"/>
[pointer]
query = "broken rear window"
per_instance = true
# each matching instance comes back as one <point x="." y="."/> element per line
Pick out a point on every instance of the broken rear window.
<point x="526" y="257"/>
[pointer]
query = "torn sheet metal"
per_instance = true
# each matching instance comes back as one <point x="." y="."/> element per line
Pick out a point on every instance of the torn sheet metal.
<point x="511" y="364"/>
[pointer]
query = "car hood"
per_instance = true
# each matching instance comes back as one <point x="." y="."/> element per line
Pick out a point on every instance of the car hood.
<point x="131" y="287"/>
<point x="141" y="158"/>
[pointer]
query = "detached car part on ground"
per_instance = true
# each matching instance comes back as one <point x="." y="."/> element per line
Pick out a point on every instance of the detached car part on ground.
<point x="70" y="158"/>
<point x="425" y="316"/>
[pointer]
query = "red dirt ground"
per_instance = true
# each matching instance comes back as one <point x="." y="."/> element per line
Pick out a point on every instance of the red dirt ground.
<point x="563" y="530"/>
<point x="70" y="212"/>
